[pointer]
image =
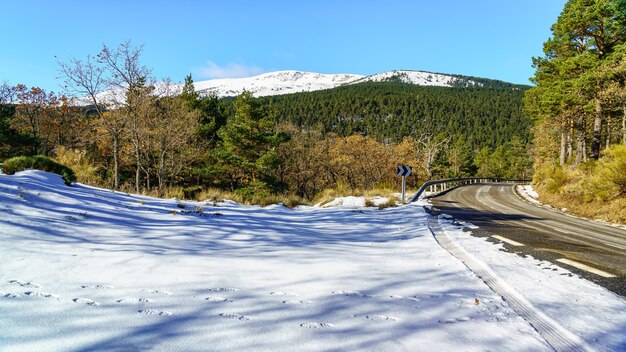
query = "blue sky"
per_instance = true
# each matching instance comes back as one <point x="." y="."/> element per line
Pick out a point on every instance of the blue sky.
<point x="212" y="39"/>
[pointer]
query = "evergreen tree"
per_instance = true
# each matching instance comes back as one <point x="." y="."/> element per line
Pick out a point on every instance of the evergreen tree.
<point x="571" y="80"/>
<point x="247" y="150"/>
<point x="189" y="94"/>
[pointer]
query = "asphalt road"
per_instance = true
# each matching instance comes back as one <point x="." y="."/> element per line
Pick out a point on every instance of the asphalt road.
<point x="545" y="234"/>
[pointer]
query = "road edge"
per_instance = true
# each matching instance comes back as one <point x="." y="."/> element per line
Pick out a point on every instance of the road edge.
<point x="554" y="334"/>
<point x="525" y="198"/>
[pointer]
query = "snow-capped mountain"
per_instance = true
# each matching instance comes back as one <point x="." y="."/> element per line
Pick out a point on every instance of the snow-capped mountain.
<point x="420" y="78"/>
<point x="274" y="83"/>
<point x="286" y="82"/>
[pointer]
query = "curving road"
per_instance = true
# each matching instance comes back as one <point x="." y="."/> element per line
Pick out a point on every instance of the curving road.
<point x="592" y="250"/>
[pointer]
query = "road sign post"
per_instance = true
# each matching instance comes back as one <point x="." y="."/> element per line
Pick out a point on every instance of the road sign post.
<point x="403" y="171"/>
<point x="403" y="188"/>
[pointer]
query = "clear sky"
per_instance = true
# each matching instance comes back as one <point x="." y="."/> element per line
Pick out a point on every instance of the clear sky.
<point x="228" y="38"/>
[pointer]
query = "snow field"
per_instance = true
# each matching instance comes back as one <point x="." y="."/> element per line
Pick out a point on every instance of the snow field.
<point x="111" y="271"/>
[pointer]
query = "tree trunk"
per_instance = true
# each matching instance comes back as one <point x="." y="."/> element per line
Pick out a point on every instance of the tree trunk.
<point x="563" y="149"/>
<point x="137" y="177"/>
<point x="135" y="135"/>
<point x="570" y="139"/>
<point x="624" y="125"/>
<point x="580" y="141"/>
<point x="596" y="140"/>
<point x="608" y="132"/>
<point x="116" y="161"/>
<point x="161" y="171"/>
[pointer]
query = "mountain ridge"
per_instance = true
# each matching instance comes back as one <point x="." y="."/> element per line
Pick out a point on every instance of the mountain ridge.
<point x="294" y="81"/>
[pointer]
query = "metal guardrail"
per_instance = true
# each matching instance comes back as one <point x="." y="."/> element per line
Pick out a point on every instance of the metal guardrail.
<point x="439" y="186"/>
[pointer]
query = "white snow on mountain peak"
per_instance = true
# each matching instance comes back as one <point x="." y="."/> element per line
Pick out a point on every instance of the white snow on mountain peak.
<point x="291" y="81"/>
<point x="274" y="83"/>
<point x="421" y="78"/>
<point x="286" y="82"/>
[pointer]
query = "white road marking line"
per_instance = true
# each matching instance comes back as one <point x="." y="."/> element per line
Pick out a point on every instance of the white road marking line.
<point x="615" y="245"/>
<point x="511" y="242"/>
<point x="584" y="267"/>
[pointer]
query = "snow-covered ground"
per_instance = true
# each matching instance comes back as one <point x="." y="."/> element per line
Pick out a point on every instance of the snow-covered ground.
<point x="86" y="269"/>
<point x="527" y="192"/>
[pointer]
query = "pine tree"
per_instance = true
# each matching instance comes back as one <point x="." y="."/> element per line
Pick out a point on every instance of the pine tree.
<point x="189" y="94"/>
<point x="247" y="150"/>
<point x="570" y="79"/>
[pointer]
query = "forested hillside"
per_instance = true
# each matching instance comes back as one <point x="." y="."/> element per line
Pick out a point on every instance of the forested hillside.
<point x="390" y="111"/>
<point x="148" y="138"/>
<point x="579" y="105"/>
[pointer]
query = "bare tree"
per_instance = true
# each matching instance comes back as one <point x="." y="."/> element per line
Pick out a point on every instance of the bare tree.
<point x="35" y="109"/>
<point x="431" y="146"/>
<point x="129" y="80"/>
<point x="170" y="126"/>
<point x="7" y="93"/>
<point x="88" y="79"/>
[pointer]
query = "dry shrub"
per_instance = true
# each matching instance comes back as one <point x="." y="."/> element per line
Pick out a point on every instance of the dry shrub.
<point x="330" y="194"/>
<point x="214" y="195"/>
<point x="166" y="192"/>
<point x="391" y="202"/>
<point x="609" y="177"/>
<point x="77" y="160"/>
<point x="593" y="189"/>
<point x="380" y="192"/>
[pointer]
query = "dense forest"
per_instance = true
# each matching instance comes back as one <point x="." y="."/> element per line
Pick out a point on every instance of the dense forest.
<point x="390" y="111"/>
<point x="579" y="108"/>
<point x="119" y="127"/>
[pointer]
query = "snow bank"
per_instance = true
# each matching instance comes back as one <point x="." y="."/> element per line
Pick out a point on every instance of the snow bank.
<point x="89" y="269"/>
<point x="353" y="202"/>
<point x="528" y="193"/>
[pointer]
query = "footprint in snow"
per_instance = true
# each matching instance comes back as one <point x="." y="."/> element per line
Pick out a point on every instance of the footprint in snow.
<point x="316" y="325"/>
<point x="154" y="312"/>
<point x="9" y="295"/>
<point x="25" y="284"/>
<point x="352" y="294"/>
<point x="410" y="299"/>
<point x="281" y="293"/>
<point x="41" y="294"/>
<point x="130" y="300"/>
<point x="98" y="287"/>
<point x="218" y="299"/>
<point x="86" y="301"/>
<point x="234" y="316"/>
<point x="381" y="318"/>
<point x="297" y="301"/>
<point x="158" y="292"/>
<point x="455" y="320"/>
<point x="223" y="289"/>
